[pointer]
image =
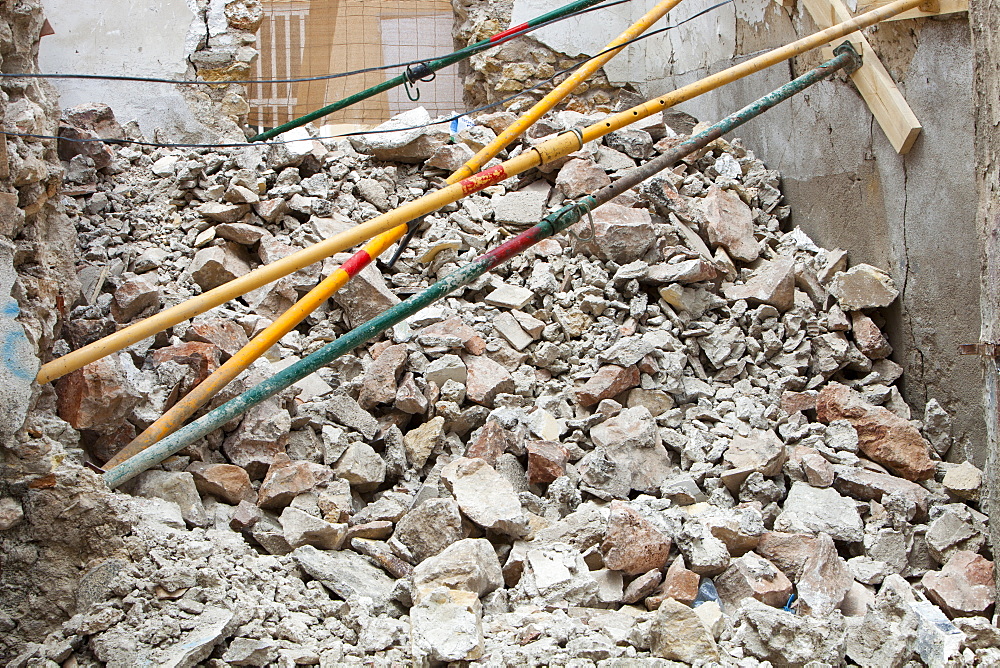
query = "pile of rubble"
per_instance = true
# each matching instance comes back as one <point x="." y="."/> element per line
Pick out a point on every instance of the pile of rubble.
<point x="679" y="440"/>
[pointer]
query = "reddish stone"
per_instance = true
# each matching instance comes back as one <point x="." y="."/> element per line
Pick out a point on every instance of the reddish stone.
<point x="228" y="336"/>
<point x="225" y="481"/>
<point x="546" y="461"/>
<point x="793" y="402"/>
<point x="607" y="383"/>
<point x="868" y="337"/>
<point x="882" y="435"/>
<point x="788" y="551"/>
<point x="964" y="587"/>
<point x="245" y="516"/>
<point x="642" y="586"/>
<point x="632" y="544"/>
<point x="679" y="584"/>
<point x="201" y="358"/>
<point x="96" y="395"/>
<point x="486" y="380"/>
<point x="492" y="441"/>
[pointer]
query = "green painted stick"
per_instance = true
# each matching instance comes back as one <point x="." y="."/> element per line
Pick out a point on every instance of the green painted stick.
<point x="552" y="224"/>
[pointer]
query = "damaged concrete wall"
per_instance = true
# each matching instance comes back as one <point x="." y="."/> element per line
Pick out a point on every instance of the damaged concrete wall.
<point x="912" y="215"/>
<point x="985" y="20"/>
<point x="213" y="39"/>
<point x="52" y="520"/>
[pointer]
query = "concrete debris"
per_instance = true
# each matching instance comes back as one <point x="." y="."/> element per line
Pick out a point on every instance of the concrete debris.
<point x="627" y="450"/>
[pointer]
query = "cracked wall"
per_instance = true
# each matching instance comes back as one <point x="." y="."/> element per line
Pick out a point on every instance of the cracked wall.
<point x="211" y="39"/>
<point x="847" y="187"/>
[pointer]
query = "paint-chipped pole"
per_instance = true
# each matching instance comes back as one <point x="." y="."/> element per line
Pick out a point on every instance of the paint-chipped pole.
<point x="541" y="154"/>
<point x="174" y="418"/>
<point x="551" y="225"/>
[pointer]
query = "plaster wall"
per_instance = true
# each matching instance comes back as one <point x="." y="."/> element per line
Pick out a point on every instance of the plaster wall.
<point x="127" y="37"/>
<point x="913" y="215"/>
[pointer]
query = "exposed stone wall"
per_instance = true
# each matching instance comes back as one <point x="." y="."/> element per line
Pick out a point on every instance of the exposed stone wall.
<point x="519" y="63"/>
<point x="225" y="52"/>
<point x="52" y="520"/>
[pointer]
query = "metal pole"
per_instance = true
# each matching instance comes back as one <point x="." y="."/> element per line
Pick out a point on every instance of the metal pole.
<point x="425" y="69"/>
<point x="549" y="226"/>
<point x="545" y="152"/>
<point x="559" y="93"/>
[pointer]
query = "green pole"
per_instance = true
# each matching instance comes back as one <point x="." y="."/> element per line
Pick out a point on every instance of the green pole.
<point x="552" y="224"/>
<point x="424" y="69"/>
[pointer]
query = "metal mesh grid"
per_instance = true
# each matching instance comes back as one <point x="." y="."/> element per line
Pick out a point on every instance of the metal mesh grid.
<point x="299" y="38"/>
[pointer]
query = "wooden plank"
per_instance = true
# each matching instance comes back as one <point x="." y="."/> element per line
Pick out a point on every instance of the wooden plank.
<point x="930" y="8"/>
<point x="877" y="88"/>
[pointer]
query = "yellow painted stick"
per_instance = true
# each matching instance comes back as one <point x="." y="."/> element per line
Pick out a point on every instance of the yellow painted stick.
<point x="174" y="418"/>
<point x="559" y="93"/>
<point x="543" y="153"/>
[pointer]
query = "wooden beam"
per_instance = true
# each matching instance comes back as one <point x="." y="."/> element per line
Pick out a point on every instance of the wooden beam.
<point x="930" y="8"/>
<point x="877" y="88"/>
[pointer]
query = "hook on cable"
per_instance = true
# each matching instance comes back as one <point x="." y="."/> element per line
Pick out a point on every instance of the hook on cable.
<point x="413" y="74"/>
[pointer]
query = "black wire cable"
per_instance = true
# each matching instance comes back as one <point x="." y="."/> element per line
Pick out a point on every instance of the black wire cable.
<point x="359" y="133"/>
<point x="321" y="77"/>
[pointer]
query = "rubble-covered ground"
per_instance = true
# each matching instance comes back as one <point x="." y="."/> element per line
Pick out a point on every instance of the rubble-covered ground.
<point x="680" y="441"/>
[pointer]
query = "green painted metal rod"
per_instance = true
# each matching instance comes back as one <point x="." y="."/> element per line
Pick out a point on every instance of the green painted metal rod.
<point x="552" y="224"/>
<point x="426" y="69"/>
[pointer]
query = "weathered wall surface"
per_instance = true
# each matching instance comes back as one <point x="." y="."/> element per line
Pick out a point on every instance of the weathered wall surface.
<point x="52" y="519"/>
<point x="984" y="17"/>
<point x="847" y="187"/>
<point x="211" y="38"/>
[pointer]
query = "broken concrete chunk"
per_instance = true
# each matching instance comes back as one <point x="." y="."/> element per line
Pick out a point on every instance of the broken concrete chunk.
<point x="300" y="528"/>
<point x="813" y="510"/>
<point x="177" y="487"/>
<point x="422" y="441"/>
<point x="771" y="634"/>
<point x="485" y="497"/>
<point x="773" y="283"/>
<point x="752" y="576"/>
<point x="964" y="586"/>
<point x="580" y="177"/>
<point x="215" y="265"/>
<point x="762" y="451"/>
<point x="678" y="634"/>
<point x="447" y="626"/>
<point x="863" y="286"/>
<point x="468" y="565"/>
<point x="729" y="223"/>
<point x="430" y="528"/>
